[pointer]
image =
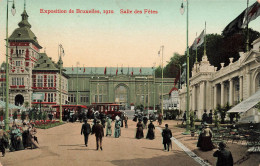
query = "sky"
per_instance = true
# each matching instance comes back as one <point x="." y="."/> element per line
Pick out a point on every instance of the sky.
<point x="99" y="40"/>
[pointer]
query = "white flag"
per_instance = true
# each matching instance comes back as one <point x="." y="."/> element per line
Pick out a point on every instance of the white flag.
<point x="199" y="40"/>
<point x="252" y="13"/>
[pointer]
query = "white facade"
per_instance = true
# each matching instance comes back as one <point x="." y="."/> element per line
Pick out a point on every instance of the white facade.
<point x="232" y="84"/>
<point x="172" y="101"/>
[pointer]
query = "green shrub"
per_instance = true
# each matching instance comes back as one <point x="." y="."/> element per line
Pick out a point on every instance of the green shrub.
<point x="15" y="115"/>
<point x="23" y="116"/>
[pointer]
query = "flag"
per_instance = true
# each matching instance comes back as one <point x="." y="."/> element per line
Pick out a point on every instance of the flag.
<point x="122" y="69"/>
<point x="84" y="69"/>
<point x="198" y="40"/>
<point x="252" y="13"/>
<point x="132" y="73"/>
<point x="105" y="70"/>
<point x="72" y="68"/>
<point x="116" y="70"/>
<point x="235" y="25"/>
<point x="140" y="70"/>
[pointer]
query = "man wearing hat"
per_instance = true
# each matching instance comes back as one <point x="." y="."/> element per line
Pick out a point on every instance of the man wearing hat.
<point x="99" y="133"/>
<point x="167" y="135"/>
<point x="86" y="130"/>
<point x="224" y="156"/>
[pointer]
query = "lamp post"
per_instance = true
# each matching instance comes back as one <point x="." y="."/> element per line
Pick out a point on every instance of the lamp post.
<point x="77" y="95"/>
<point x="3" y="93"/>
<point x="7" y="66"/>
<point x="60" y="52"/>
<point x="161" y="48"/>
<point x="154" y="88"/>
<point x="188" y="91"/>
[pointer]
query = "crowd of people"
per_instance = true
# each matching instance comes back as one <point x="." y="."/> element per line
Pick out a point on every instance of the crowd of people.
<point x="18" y="138"/>
<point x="101" y="122"/>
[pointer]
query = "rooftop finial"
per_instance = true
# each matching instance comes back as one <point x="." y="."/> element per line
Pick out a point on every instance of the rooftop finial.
<point x="24" y="4"/>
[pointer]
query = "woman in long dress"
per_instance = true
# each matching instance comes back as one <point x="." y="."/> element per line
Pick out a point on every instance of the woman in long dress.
<point x="139" y="130"/>
<point x="150" y="133"/>
<point x="117" y="128"/>
<point x="109" y="127"/>
<point x="16" y="139"/>
<point x="205" y="139"/>
<point x="32" y="139"/>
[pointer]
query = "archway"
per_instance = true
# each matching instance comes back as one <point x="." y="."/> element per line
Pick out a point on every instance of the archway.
<point x="121" y="94"/>
<point x="19" y="100"/>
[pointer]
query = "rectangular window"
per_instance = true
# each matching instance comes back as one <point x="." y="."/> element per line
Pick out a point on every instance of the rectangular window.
<point x="63" y="84"/>
<point x="72" y="98"/>
<point x="50" y="97"/>
<point x="96" y="98"/>
<point x="100" y="98"/>
<point x="39" y="81"/>
<point x="13" y="81"/>
<point x="50" y="80"/>
<point x="18" y="81"/>
<point x="18" y="63"/>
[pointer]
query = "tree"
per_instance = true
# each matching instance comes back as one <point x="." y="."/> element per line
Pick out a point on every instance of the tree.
<point x="30" y="115"/>
<point x="26" y="104"/>
<point x="44" y="116"/>
<point x="15" y="115"/>
<point x="23" y="116"/>
<point x="40" y="115"/>
<point x="216" y="121"/>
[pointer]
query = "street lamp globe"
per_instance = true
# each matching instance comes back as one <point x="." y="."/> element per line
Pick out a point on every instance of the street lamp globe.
<point x="182" y="9"/>
<point x="13" y="10"/>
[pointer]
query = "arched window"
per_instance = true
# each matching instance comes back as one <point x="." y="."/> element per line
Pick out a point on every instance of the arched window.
<point x="121" y="94"/>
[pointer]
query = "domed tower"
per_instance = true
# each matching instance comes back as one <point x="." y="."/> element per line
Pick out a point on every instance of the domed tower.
<point x="24" y="53"/>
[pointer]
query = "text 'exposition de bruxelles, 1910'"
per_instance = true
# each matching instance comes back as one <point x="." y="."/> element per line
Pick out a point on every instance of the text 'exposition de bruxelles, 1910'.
<point x="94" y="11"/>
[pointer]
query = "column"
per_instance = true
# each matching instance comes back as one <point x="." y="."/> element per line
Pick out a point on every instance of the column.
<point x="215" y="87"/>
<point x="240" y="88"/>
<point x="222" y="94"/>
<point x="248" y="81"/>
<point x="202" y="96"/>
<point x="231" y="92"/>
<point x="193" y="99"/>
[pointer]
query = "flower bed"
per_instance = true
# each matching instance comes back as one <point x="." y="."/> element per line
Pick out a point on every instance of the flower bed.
<point x="41" y="124"/>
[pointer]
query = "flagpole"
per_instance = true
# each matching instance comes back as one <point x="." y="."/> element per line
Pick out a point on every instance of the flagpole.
<point x="187" y="132"/>
<point x="247" y="31"/>
<point x="162" y="82"/>
<point x="196" y="49"/>
<point x="205" y="41"/>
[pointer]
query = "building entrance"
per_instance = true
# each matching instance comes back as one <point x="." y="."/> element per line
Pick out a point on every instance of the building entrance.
<point x="121" y="95"/>
<point x="19" y="100"/>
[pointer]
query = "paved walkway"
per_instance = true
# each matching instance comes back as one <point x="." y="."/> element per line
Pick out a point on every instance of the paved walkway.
<point x="63" y="145"/>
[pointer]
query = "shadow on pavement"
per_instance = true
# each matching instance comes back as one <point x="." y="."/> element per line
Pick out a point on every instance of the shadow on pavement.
<point x="83" y="149"/>
<point x="176" y="158"/>
<point x="80" y="145"/>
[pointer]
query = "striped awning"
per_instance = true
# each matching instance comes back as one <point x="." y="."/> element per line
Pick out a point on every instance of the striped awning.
<point x="11" y="106"/>
<point x="246" y="104"/>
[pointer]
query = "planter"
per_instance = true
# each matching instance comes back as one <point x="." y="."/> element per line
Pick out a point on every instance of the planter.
<point x="192" y="133"/>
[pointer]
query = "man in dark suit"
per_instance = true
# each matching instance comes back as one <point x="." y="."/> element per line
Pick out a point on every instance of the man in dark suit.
<point x="86" y="130"/>
<point x="167" y="135"/>
<point x="99" y="133"/>
<point x="224" y="156"/>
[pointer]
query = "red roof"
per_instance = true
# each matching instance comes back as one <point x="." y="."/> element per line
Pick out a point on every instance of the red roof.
<point x="173" y="89"/>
